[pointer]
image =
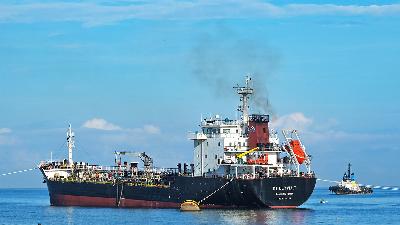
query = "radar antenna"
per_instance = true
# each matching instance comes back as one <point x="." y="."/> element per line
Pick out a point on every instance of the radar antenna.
<point x="244" y="93"/>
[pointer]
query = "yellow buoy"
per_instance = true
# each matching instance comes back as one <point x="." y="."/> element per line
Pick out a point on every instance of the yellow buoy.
<point x="190" y="205"/>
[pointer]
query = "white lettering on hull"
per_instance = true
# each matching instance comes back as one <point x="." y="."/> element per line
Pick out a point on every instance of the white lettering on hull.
<point x="284" y="192"/>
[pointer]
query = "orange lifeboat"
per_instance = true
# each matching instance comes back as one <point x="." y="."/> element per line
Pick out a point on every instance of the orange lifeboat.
<point x="298" y="150"/>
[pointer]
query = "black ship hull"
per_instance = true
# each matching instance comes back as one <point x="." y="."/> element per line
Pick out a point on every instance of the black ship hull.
<point x="276" y="192"/>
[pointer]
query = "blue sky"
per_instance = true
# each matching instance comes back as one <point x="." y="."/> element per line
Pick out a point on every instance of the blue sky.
<point x="140" y="74"/>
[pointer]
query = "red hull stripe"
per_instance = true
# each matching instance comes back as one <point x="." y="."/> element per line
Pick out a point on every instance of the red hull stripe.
<point x="284" y="207"/>
<point x="73" y="200"/>
<point x="133" y="203"/>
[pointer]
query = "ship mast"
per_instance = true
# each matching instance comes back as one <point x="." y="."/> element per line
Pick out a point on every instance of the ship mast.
<point x="71" y="144"/>
<point x="245" y="93"/>
<point x="348" y="171"/>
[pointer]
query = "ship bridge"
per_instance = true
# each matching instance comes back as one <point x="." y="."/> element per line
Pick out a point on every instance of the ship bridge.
<point x="216" y="137"/>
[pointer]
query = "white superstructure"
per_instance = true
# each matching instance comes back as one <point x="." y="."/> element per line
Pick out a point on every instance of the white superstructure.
<point x="243" y="147"/>
<point x="217" y="142"/>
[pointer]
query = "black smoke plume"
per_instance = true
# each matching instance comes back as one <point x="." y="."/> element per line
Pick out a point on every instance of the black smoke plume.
<point x="222" y="60"/>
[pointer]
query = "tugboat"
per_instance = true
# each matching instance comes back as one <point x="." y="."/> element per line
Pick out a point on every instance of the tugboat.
<point x="348" y="185"/>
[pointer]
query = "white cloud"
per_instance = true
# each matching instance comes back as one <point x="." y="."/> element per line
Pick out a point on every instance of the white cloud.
<point x="6" y="138"/>
<point x="151" y="129"/>
<point x="5" y="130"/>
<point x="100" y="124"/>
<point x="97" y="13"/>
<point x="141" y="136"/>
<point x="329" y="9"/>
<point x="356" y="137"/>
<point x="147" y="129"/>
<point x="297" y="121"/>
<point x="327" y="132"/>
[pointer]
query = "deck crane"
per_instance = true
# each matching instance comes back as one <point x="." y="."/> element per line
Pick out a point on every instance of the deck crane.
<point x="147" y="160"/>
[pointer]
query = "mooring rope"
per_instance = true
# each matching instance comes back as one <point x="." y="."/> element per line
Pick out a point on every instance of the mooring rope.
<point x="392" y="188"/>
<point x="19" y="171"/>
<point x="216" y="190"/>
<point x="325" y="180"/>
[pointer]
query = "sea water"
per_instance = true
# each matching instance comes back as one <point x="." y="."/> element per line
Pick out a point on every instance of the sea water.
<point x="31" y="206"/>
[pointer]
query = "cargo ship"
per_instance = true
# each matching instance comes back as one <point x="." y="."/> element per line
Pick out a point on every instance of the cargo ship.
<point x="237" y="163"/>
<point x="349" y="185"/>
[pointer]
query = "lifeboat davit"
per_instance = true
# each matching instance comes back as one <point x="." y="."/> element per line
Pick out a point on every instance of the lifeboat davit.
<point x="298" y="151"/>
